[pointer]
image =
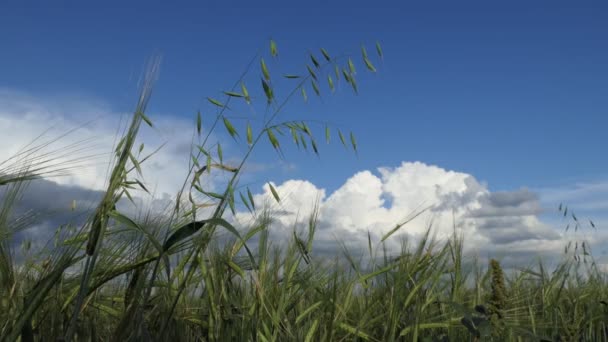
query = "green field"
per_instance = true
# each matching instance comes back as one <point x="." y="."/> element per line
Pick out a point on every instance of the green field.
<point x="168" y="277"/>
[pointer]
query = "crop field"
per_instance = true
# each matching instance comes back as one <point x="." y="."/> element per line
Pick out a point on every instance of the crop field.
<point x="179" y="275"/>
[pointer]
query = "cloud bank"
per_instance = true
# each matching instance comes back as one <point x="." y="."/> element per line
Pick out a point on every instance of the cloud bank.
<point x="503" y="224"/>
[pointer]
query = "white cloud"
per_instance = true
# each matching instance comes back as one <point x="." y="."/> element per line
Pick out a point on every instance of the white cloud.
<point x="95" y="128"/>
<point x="491" y="222"/>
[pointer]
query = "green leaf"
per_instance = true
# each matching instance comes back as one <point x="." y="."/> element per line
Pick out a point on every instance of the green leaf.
<point x="294" y="135"/>
<point x="309" y="310"/>
<point x="369" y="244"/>
<point x="354" y="331"/>
<point x="135" y="163"/>
<point x="303" y="141"/>
<point x="195" y="160"/>
<point x="265" y="70"/>
<point x="213" y="194"/>
<point x="327" y="134"/>
<point x="337" y="72"/>
<point x="141" y="185"/>
<point x="250" y="195"/>
<point x="249" y="135"/>
<point x="353" y="83"/>
<point x="198" y="188"/>
<point x="182" y="233"/>
<point x="189" y="229"/>
<point x="304" y="94"/>
<point x="376" y="273"/>
<point x="314" y="146"/>
<point x="231" y="130"/>
<point x="216" y="102"/>
<point x="273" y="139"/>
<point x="351" y="66"/>
<point x="203" y="151"/>
<point x="331" y="82"/>
<point x="292" y="76"/>
<point x="236" y="268"/>
<point x="273" y="48"/>
<point x="311" y="72"/>
<point x="346" y="75"/>
<point x="244" y="200"/>
<point x="353" y="141"/>
<point x="128" y="184"/>
<point x="220" y="155"/>
<point x="306" y="129"/>
<point x="233" y="94"/>
<point x="325" y="54"/>
<point x="315" y="87"/>
<point x="141" y="147"/>
<point x="342" y="138"/>
<point x="379" y="49"/>
<point x="369" y="65"/>
<point x="199" y="123"/>
<point x="146" y="119"/>
<point x="267" y="91"/>
<point x="315" y="61"/>
<point x="274" y="192"/>
<point x="245" y="93"/>
<point x="310" y="335"/>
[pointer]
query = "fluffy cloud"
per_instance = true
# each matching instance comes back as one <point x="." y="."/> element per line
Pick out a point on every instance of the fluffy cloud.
<point x="84" y="131"/>
<point x="504" y="224"/>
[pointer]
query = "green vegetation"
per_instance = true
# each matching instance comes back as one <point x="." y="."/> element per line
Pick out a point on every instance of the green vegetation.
<point x="168" y="276"/>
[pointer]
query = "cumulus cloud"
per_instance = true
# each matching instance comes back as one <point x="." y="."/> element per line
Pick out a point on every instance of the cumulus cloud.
<point x="493" y="223"/>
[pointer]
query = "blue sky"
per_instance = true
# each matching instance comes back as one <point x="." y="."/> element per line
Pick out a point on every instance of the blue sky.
<point x="511" y="93"/>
